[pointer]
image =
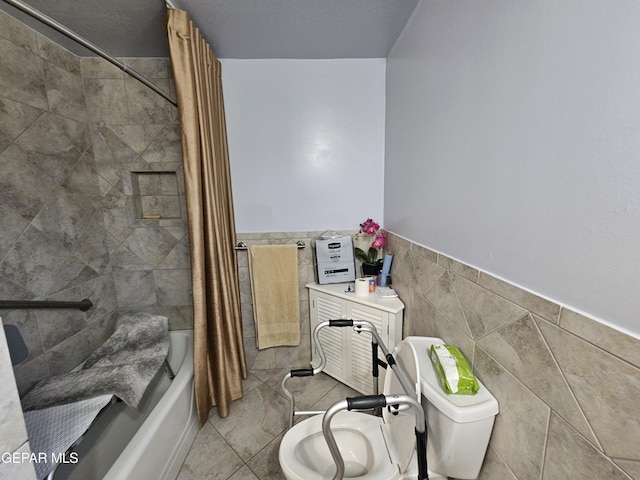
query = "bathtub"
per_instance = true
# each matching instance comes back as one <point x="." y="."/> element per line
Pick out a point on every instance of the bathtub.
<point x="149" y="442"/>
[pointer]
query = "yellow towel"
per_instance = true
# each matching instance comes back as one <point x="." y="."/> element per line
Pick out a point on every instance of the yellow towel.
<point x="274" y="287"/>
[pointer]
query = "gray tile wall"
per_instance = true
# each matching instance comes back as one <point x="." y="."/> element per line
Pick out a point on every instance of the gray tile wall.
<point x="567" y="385"/>
<point x="72" y="134"/>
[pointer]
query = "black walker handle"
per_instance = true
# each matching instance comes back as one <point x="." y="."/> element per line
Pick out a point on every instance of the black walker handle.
<point x="341" y="323"/>
<point x="366" y="402"/>
<point x="302" y="372"/>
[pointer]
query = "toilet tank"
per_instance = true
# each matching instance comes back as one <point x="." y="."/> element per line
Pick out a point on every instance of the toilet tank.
<point x="458" y="426"/>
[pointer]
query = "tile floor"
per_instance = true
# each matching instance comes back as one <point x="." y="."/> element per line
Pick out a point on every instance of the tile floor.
<point x="244" y="445"/>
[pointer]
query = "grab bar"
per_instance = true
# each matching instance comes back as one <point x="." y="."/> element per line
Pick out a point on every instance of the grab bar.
<point x="243" y="246"/>
<point x="83" y="305"/>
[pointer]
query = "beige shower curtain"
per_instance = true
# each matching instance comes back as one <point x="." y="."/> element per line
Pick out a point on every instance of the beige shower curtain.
<point x="219" y="362"/>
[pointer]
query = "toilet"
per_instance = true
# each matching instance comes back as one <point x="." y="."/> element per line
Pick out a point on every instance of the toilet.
<point x="374" y="448"/>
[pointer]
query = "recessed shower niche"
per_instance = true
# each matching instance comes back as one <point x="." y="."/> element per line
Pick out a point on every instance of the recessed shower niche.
<point x="155" y="195"/>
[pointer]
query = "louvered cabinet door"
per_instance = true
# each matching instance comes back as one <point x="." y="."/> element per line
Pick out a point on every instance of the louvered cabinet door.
<point x="333" y="340"/>
<point x="348" y="354"/>
<point x="359" y="350"/>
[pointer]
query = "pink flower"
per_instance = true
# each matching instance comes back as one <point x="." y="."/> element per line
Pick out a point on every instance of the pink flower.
<point x="370" y="227"/>
<point x="380" y="241"/>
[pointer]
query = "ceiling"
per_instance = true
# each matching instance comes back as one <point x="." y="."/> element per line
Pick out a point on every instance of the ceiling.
<point x="301" y="29"/>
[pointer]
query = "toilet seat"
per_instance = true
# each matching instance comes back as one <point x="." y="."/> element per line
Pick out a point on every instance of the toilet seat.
<point x="386" y="445"/>
<point x="358" y="435"/>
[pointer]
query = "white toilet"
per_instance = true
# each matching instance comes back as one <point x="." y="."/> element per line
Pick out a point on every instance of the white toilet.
<point x="374" y="448"/>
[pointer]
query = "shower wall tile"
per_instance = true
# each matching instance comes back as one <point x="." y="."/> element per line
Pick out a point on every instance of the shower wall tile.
<point x="106" y="100"/>
<point x="62" y="219"/>
<point x="170" y="286"/>
<point x="18" y="33"/>
<point x="15" y="118"/>
<point x="54" y="143"/>
<point x="24" y="187"/>
<point x="93" y="247"/>
<point x="145" y="105"/>
<point x="65" y="91"/>
<point x="177" y="258"/>
<point x="65" y="197"/>
<point x="70" y="353"/>
<point x="567" y="384"/>
<point x="12" y="227"/>
<point x="82" y="182"/>
<point x="137" y="137"/>
<point x="102" y="292"/>
<point x="96" y="67"/>
<point x="135" y="288"/>
<point x="73" y="273"/>
<point x="164" y="147"/>
<point x="151" y="245"/>
<point x="60" y="56"/>
<point x="22" y="77"/>
<point x="153" y="68"/>
<point x="33" y="261"/>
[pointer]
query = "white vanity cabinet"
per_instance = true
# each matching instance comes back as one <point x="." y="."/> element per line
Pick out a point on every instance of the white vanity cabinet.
<point x="349" y="353"/>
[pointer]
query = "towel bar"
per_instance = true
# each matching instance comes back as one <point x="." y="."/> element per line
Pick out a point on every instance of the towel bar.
<point x="243" y="246"/>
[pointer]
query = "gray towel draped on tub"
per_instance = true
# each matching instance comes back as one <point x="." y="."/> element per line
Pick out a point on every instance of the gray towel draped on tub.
<point x="60" y="409"/>
<point x="274" y="288"/>
<point x="123" y="366"/>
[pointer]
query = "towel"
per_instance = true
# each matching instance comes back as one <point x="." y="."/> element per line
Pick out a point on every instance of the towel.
<point x="274" y="287"/>
<point x="123" y="366"/>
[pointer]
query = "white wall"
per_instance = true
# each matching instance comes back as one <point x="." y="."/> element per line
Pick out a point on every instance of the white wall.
<point x="513" y="145"/>
<point x="306" y="139"/>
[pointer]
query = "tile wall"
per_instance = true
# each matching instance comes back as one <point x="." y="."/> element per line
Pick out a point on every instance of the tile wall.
<point x="567" y="385"/>
<point x="74" y="133"/>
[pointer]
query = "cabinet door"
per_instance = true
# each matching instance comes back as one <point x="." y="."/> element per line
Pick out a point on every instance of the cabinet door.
<point x="333" y="339"/>
<point x="360" y="363"/>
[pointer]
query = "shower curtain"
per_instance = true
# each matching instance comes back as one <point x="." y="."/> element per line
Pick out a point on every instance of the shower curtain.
<point x="219" y="361"/>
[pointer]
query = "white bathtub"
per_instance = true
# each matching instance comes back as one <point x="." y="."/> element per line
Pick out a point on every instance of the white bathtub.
<point x="151" y="442"/>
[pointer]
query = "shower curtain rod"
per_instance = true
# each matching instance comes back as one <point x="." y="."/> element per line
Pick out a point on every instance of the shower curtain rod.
<point x="85" y="43"/>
